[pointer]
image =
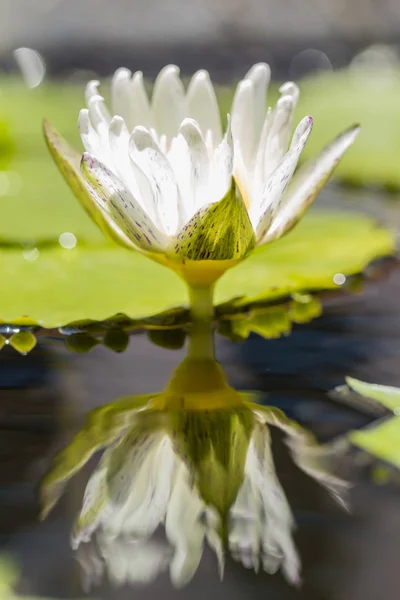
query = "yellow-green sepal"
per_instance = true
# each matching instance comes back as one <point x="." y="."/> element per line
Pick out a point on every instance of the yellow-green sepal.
<point x="68" y="159"/>
<point x="219" y="231"/>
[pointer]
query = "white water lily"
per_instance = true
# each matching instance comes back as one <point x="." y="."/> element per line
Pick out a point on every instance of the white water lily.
<point x="161" y="176"/>
<point x="195" y="460"/>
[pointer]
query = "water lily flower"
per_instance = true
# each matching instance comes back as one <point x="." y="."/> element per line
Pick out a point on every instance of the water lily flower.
<point x="195" y="459"/>
<point x="161" y="176"/>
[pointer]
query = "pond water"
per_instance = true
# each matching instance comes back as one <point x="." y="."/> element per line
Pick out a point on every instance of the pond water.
<point x="45" y="395"/>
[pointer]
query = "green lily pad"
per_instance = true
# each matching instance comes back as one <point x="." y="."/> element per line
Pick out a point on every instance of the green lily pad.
<point x="367" y="97"/>
<point x="23" y="110"/>
<point x="381" y="439"/>
<point x="55" y="286"/>
<point x="37" y="205"/>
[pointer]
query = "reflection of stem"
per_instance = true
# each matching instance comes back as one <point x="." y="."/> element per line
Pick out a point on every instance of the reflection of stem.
<point x="201" y="339"/>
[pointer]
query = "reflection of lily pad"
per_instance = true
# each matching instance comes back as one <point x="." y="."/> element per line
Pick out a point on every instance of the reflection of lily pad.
<point x="61" y="286"/>
<point x="381" y="439"/>
<point x="370" y="98"/>
<point x="272" y="321"/>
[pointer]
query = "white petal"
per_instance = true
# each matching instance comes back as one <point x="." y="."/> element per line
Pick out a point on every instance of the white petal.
<point x="203" y="105"/>
<point x="146" y="195"/>
<point x="180" y="160"/>
<point x="290" y="89"/>
<point x="263" y="212"/>
<point x="128" y="171"/>
<point x="184" y="529"/>
<point x="200" y="172"/>
<point x="279" y="133"/>
<point x="125" y="211"/>
<point x="120" y="93"/>
<point x="169" y="103"/>
<point x="209" y="140"/>
<point x="155" y="165"/>
<point x="99" y="117"/>
<point x="308" y="181"/>
<point x="90" y="138"/>
<point x="259" y="75"/>
<point x="242" y="113"/>
<point x="119" y="147"/>
<point x="258" y="172"/>
<point x="140" y="111"/>
<point x="92" y="89"/>
<point x="223" y="164"/>
<point x="242" y="175"/>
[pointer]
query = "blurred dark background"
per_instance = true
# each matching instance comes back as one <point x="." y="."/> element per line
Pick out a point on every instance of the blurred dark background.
<point x="223" y="35"/>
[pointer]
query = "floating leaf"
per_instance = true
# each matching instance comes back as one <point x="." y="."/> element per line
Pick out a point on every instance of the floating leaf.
<point x="382" y="438"/>
<point x="63" y="286"/>
<point x="382" y="441"/>
<point x="387" y="396"/>
<point x="369" y="97"/>
<point x="23" y="111"/>
<point x="35" y="188"/>
<point x="23" y="341"/>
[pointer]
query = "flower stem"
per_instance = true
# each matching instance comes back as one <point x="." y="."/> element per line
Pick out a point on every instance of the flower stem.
<point x="201" y="337"/>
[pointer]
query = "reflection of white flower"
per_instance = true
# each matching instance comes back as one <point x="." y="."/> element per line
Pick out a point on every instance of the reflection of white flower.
<point x="164" y="177"/>
<point x="152" y="486"/>
<point x="205" y="476"/>
<point x="261" y="520"/>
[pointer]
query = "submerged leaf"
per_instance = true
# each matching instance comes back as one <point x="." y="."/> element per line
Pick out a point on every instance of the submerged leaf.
<point x="344" y="96"/>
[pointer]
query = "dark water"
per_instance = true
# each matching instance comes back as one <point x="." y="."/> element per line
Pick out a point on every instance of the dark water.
<point x="45" y="395"/>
